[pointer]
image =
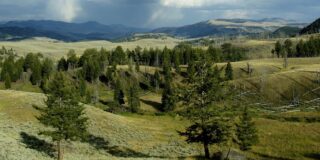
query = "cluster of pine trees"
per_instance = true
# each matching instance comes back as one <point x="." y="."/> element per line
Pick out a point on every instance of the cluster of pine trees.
<point x="180" y="55"/>
<point x="33" y="67"/>
<point x="308" y="48"/>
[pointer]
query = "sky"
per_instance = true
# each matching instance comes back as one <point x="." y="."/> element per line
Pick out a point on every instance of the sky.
<point x="157" y="13"/>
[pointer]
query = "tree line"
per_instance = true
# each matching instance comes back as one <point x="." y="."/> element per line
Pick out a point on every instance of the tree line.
<point x="308" y="48"/>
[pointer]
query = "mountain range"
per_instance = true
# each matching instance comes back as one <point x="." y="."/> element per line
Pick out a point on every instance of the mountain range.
<point x="15" y="30"/>
<point x="219" y="27"/>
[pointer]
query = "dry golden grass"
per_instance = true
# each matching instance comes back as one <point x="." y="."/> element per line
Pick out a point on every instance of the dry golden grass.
<point x="56" y="49"/>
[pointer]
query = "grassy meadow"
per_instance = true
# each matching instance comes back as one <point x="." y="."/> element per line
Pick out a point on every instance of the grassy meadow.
<point x="285" y="132"/>
<point x="57" y="49"/>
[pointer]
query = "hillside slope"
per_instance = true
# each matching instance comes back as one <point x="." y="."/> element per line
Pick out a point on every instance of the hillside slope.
<point x="314" y="27"/>
<point x="112" y="136"/>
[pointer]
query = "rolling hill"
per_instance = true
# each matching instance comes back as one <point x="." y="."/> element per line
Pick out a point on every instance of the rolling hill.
<point x="286" y="31"/>
<point x="312" y="28"/>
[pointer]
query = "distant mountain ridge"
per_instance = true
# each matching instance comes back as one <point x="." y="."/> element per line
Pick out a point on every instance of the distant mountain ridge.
<point x="68" y="31"/>
<point x="65" y="31"/>
<point x="314" y="27"/>
<point x="219" y="27"/>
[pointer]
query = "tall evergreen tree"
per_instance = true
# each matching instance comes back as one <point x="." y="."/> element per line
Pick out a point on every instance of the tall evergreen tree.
<point x="72" y="61"/>
<point x="28" y="61"/>
<point x="47" y="68"/>
<point x="7" y="82"/>
<point x="278" y="48"/>
<point x="168" y="96"/>
<point x="36" y="69"/>
<point x="82" y="87"/>
<point x="166" y="63"/>
<point x="246" y="131"/>
<point x="18" y="69"/>
<point x="62" y="64"/>
<point x="176" y="60"/>
<point x="156" y="80"/>
<point x="288" y="48"/>
<point x="191" y="70"/>
<point x="202" y="97"/>
<point x="229" y="72"/>
<point x="118" y="96"/>
<point x="133" y="96"/>
<point x="63" y="113"/>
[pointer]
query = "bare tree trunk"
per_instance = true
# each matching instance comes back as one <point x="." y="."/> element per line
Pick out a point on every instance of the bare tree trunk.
<point x="285" y="65"/>
<point x="60" y="152"/>
<point x="206" y="150"/>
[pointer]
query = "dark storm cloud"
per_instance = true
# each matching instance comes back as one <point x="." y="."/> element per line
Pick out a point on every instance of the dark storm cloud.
<point x="155" y="13"/>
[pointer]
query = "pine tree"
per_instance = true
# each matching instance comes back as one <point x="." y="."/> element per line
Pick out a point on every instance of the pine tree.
<point x="47" y="68"/>
<point x="36" y="72"/>
<point x="137" y="66"/>
<point x="246" y="131"/>
<point x="202" y="97"/>
<point x="166" y="64"/>
<point x="278" y="48"/>
<point x="118" y="97"/>
<point x="82" y="87"/>
<point x="28" y="61"/>
<point x="288" y="47"/>
<point x="176" y="60"/>
<point x="229" y="72"/>
<point x="156" y="80"/>
<point x="191" y="70"/>
<point x="133" y="96"/>
<point x="7" y="81"/>
<point x="63" y="113"/>
<point x="168" y="97"/>
<point x="72" y="61"/>
<point x="18" y="69"/>
<point x="62" y="64"/>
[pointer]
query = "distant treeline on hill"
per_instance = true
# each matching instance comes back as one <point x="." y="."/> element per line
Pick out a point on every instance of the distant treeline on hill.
<point x="309" y="48"/>
<point x="93" y="62"/>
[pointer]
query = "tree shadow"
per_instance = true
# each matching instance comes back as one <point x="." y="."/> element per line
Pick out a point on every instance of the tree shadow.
<point x="35" y="143"/>
<point x="313" y="155"/>
<point x="270" y="157"/>
<point x="154" y="104"/>
<point x="101" y="144"/>
<point x="97" y="142"/>
<point x="126" y="152"/>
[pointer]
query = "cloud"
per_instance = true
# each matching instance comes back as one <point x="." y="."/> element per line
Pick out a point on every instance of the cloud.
<point x="65" y="10"/>
<point x="235" y="14"/>
<point x="195" y="3"/>
<point x="164" y="15"/>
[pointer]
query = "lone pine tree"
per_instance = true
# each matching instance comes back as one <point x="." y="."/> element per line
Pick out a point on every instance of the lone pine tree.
<point x="63" y="113"/>
<point x="201" y="97"/>
<point x="229" y="72"/>
<point x="118" y="97"/>
<point x="7" y="82"/>
<point x="133" y="96"/>
<point x="246" y="131"/>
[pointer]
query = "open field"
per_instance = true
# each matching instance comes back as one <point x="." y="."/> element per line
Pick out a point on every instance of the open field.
<point x="56" y="49"/>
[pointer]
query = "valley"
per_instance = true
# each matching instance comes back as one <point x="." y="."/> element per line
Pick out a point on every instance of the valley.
<point x="159" y="80"/>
